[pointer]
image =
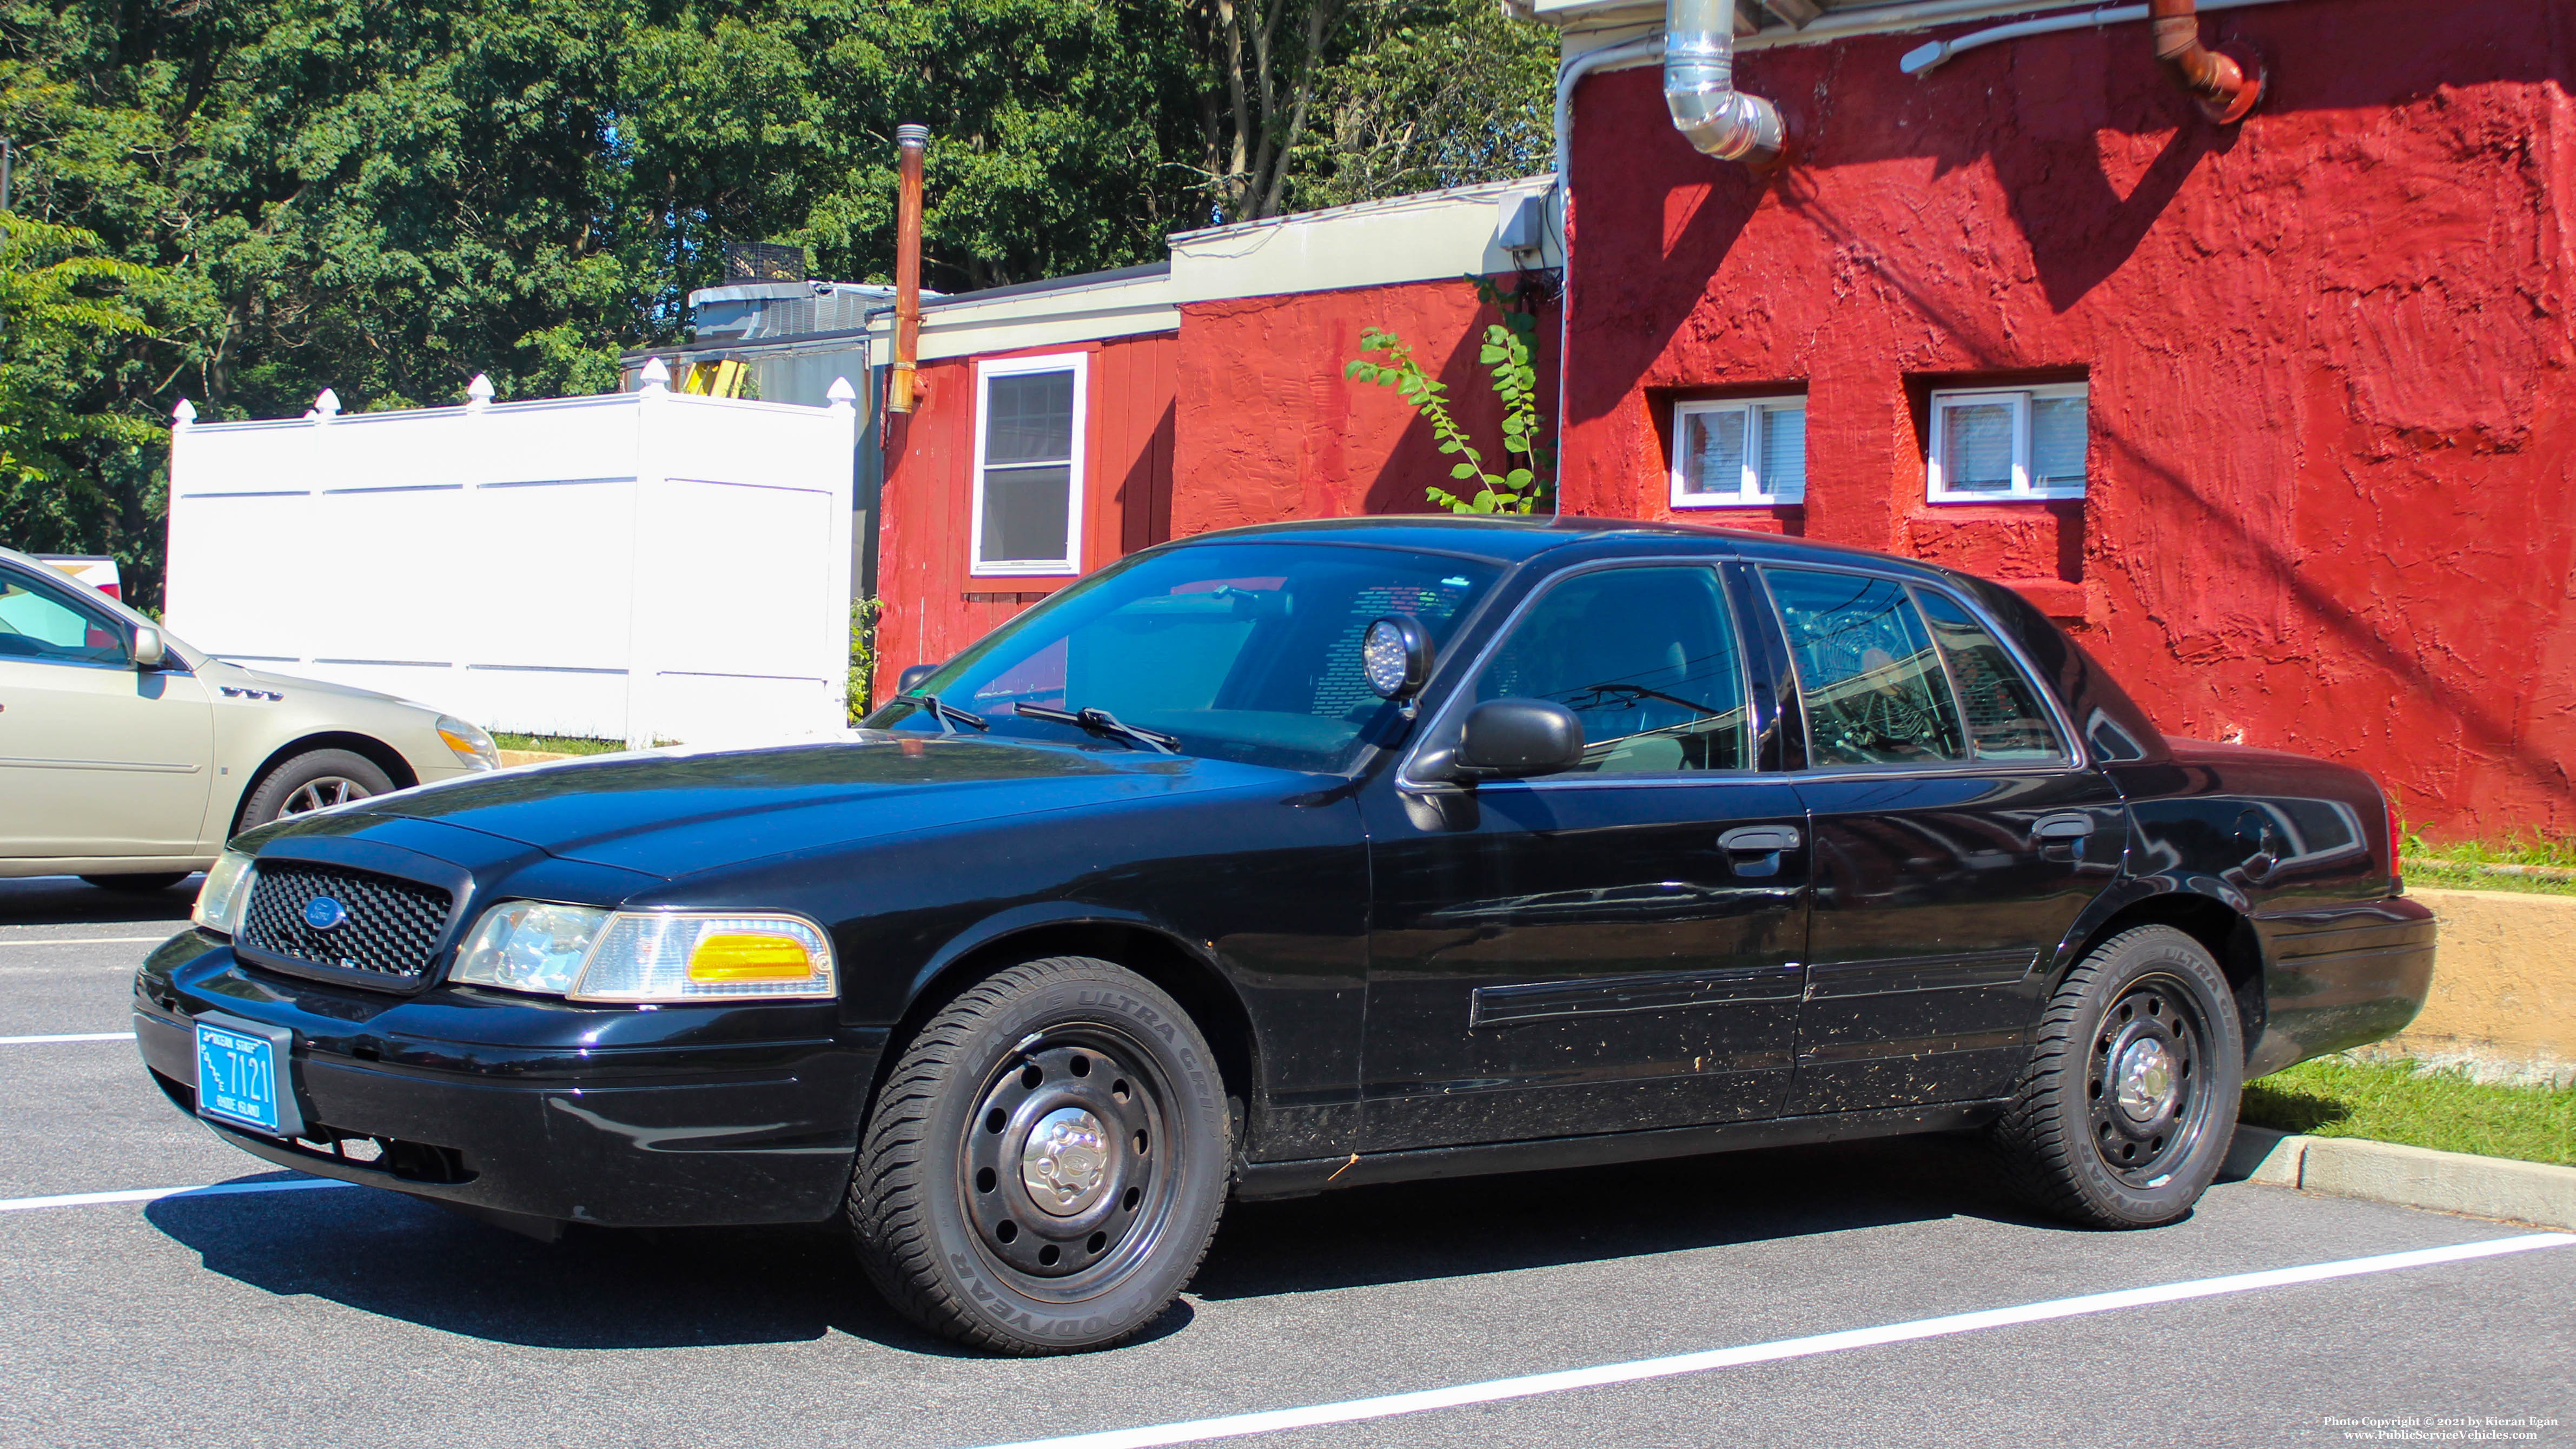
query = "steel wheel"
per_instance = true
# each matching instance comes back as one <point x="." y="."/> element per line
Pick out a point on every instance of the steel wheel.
<point x="1044" y="1164"/>
<point x="2145" y="1104"/>
<point x="2127" y="1107"/>
<point x="322" y="794"/>
<point x="1062" y="1171"/>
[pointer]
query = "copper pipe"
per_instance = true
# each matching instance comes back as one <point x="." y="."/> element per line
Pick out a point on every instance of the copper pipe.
<point x="913" y="142"/>
<point x="2227" y="86"/>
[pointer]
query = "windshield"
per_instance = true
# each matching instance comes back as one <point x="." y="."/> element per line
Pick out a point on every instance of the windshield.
<point x="1241" y="651"/>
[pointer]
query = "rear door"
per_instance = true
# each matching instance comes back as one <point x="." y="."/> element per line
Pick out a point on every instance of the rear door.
<point x="1957" y="838"/>
<point x="1613" y="948"/>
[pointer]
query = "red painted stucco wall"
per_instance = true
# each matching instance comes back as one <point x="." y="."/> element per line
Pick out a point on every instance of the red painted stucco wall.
<point x="2329" y="353"/>
<point x="934" y="604"/>
<point x="1269" y="428"/>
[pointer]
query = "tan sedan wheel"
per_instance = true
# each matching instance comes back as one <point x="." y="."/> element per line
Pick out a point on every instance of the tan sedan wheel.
<point x="315" y="780"/>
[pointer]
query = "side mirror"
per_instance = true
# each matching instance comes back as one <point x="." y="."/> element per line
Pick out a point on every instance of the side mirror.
<point x="1509" y="739"/>
<point x="149" y="650"/>
<point x="912" y="675"/>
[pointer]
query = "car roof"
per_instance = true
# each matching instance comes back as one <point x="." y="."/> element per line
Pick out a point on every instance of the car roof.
<point x="1510" y="540"/>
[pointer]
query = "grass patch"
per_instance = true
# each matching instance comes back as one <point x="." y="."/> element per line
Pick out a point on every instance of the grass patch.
<point x="559" y="744"/>
<point x="2550" y="852"/>
<point x="2447" y="876"/>
<point x="2397" y="1102"/>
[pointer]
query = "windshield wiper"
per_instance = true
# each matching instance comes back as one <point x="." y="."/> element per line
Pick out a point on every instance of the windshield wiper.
<point x="1102" y="722"/>
<point x="942" y="714"/>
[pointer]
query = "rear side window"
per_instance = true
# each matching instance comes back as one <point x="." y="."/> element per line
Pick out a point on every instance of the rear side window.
<point x="2005" y="721"/>
<point x="1646" y="658"/>
<point x="1869" y="676"/>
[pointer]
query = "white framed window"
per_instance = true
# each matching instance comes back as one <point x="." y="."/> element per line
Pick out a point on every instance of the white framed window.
<point x="1028" y="464"/>
<point x="1740" y="452"/>
<point x="1992" y="444"/>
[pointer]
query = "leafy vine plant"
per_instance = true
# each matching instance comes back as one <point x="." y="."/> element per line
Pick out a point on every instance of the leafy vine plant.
<point x="1527" y="466"/>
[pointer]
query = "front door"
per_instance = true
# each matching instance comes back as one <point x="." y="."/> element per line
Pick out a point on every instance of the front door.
<point x="1955" y="843"/>
<point x="1613" y="948"/>
<point x="97" y="757"/>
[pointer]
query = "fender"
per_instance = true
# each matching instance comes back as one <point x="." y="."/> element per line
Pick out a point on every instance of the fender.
<point x="1038" y="915"/>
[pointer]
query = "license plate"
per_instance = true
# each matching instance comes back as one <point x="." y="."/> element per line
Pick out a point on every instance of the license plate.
<point x="240" y="1077"/>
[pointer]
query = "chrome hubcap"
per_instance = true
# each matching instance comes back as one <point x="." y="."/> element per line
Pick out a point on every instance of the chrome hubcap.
<point x="1066" y="1161"/>
<point x="322" y="794"/>
<point x="2146" y="1081"/>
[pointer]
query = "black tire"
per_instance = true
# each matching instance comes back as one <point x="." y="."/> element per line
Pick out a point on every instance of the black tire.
<point x="137" y="885"/>
<point x="2130" y="1100"/>
<point x="310" y="781"/>
<point x="957" y="1240"/>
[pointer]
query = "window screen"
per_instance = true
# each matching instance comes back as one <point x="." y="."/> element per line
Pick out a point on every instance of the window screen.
<point x="1977" y="448"/>
<point x="2057" y="444"/>
<point x="1867" y="671"/>
<point x="2004" y="717"/>
<point x="1026" y="508"/>
<point x="1647" y="660"/>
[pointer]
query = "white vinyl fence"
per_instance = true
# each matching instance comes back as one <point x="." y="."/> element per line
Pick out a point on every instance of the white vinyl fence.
<point x="641" y="566"/>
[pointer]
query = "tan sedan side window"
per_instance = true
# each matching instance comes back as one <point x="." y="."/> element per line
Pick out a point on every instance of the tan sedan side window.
<point x="38" y="626"/>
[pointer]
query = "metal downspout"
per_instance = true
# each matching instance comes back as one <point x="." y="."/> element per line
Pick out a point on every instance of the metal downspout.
<point x="1699" y="86"/>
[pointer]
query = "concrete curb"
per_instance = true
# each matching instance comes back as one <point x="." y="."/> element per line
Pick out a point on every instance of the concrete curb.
<point x="2416" y="1177"/>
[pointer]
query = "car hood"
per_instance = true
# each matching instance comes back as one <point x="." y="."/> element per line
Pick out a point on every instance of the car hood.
<point x="671" y="813"/>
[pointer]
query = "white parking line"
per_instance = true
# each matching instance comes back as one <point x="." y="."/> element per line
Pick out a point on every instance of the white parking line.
<point x="80" y="940"/>
<point x="66" y="1036"/>
<point x="155" y="1194"/>
<point x="1528" y="1386"/>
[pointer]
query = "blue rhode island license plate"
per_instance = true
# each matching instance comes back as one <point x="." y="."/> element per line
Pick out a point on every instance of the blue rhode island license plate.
<point x="240" y="1078"/>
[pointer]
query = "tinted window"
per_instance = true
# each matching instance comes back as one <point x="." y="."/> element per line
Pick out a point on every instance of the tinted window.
<point x="38" y="624"/>
<point x="1867" y="671"/>
<point x="2005" y="721"/>
<point x="1647" y="660"/>
<point x="1246" y="651"/>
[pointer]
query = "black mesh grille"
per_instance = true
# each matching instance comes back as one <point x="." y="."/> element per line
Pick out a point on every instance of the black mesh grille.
<point x="390" y="928"/>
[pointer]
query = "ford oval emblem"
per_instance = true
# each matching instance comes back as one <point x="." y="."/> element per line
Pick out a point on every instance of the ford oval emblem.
<point x="322" y="913"/>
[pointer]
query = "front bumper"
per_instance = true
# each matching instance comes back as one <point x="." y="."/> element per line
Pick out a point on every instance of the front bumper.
<point x="674" y="1117"/>
<point x="2340" y="976"/>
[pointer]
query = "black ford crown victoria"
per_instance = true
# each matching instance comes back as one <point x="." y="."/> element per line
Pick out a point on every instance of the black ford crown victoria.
<point x="1299" y="857"/>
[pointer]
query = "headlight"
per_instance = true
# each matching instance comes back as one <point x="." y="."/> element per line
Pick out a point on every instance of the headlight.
<point x="530" y="946"/>
<point x="469" y="742"/>
<point x="587" y="954"/>
<point x="221" y="900"/>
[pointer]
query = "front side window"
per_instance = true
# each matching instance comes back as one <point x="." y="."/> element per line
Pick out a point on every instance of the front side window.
<point x="1645" y="657"/>
<point x="1242" y="651"/>
<point x="36" y="624"/>
<point x="2007" y="444"/>
<point x="1739" y="453"/>
<point x="1873" y="685"/>
<point x="1028" y="465"/>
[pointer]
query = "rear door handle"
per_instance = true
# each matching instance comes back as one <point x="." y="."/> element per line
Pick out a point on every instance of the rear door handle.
<point x="2063" y="827"/>
<point x="1759" y="839"/>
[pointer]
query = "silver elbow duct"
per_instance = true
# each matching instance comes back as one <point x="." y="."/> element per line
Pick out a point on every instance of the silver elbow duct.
<point x="1699" y="86"/>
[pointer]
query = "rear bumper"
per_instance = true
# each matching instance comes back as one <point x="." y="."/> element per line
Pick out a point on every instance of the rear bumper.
<point x="2340" y="977"/>
<point x="711" y="1125"/>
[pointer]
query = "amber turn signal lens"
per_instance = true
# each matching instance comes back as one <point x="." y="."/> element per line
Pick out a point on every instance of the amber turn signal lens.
<point x="745" y="957"/>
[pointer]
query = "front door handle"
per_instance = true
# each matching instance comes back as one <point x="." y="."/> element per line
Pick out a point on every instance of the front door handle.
<point x="1759" y="839"/>
<point x="2062" y="828"/>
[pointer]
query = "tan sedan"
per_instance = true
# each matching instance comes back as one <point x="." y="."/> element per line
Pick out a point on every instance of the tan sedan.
<point x="128" y="758"/>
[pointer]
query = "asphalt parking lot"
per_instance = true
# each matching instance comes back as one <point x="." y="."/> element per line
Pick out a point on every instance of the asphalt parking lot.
<point x="278" y="1317"/>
